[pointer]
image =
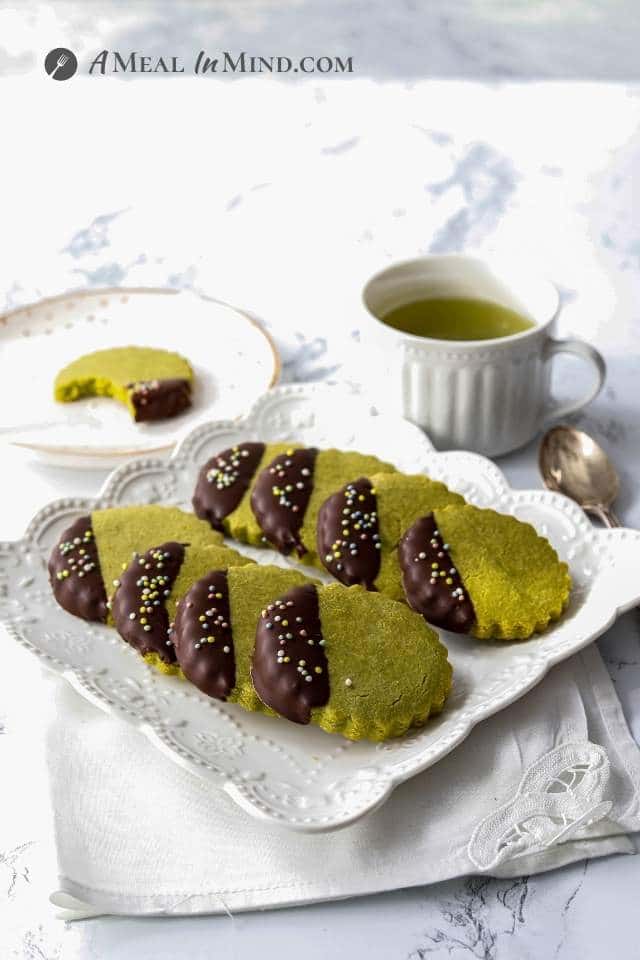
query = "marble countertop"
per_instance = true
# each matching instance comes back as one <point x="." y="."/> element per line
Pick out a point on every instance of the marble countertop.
<point x="282" y="196"/>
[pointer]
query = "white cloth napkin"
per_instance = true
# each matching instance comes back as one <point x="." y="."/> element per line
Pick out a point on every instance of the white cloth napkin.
<point x="552" y="779"/>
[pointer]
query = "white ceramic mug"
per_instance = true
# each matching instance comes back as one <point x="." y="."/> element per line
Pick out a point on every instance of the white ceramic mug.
<point x="490" y="396"/>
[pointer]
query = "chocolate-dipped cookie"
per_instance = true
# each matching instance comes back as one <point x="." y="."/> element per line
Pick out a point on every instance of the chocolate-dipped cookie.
<point x="481" y="572"/>
<point x="144" y="602"/>
<point x="359" y="526"/>
<point x="75" y="574"/>
<point x="280" y="498"/>
<point x="86" y="563"/>
<point x="349" y="661"/>
<point x="224" y="480"/>
<point x="289" y="667"/>
<point x="153" y="384"/>
<point x="270" y="494"/>
<point x="348" y="534"/>
<point x="432" y="584"/>
<point x="205" y="638"/>
<point x="215" y="625"/>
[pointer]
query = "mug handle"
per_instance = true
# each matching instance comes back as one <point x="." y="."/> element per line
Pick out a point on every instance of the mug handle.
<point x="578" y="348"/>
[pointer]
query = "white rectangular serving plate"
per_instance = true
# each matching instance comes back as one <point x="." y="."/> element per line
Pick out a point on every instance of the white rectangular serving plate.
<point x="300" y="777"/>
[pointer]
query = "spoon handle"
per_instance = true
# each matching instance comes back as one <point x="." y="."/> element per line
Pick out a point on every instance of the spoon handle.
<point x="606" y="515"/>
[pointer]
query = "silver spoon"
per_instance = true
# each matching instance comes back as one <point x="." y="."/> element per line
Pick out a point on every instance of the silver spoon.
<point x="571" y="462"/>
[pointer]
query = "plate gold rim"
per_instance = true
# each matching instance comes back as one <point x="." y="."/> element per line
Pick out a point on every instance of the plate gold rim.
<point x="83" y="292"/>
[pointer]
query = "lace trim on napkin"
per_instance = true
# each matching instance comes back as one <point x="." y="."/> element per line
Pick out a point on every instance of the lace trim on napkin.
<point x="559" y="796"/>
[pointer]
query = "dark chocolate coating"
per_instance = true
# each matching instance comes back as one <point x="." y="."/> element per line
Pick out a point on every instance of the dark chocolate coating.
<point x="280" y="497"/>
<point x="159" y="399"/>
<point x="204" y="647"/>
<point x="224" y="480"/>
<point x="74" y="572"/>
<point x="289" y="669"/>
<point x="437" y="592"/>
<point x="139" y="604"/>
<point x="348" y="538"/>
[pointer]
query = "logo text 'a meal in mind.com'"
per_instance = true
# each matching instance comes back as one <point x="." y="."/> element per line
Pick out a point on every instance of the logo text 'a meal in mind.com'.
<point x="110" y="61"/>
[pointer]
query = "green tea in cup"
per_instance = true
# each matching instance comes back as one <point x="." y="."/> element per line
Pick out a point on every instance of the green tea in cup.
<point x="463" y="348"/>
<point x="456" y="319"/>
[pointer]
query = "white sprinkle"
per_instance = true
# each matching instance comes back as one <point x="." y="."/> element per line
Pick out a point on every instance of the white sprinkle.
<point x="348" y="682"/>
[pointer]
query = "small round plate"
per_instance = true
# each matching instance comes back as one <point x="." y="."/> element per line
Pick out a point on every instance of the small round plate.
<point x="234" y="360"/>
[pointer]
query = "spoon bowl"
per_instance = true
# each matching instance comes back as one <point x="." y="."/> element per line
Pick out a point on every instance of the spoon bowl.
<point x="572" y="463"/>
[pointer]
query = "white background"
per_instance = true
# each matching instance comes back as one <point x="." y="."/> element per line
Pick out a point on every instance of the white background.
<point x="486" y="126"/>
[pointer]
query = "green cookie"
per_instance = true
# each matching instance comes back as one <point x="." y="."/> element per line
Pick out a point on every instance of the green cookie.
<point x="144" y="602"/>
<point x="122" y="531"/>
<point x="401" y="499"/>
<point x="272" y="497"/>
<point x="152" y="384"/>
<point x="481" y="572"/>
<point x="349" y="661"/>
<point x="241" y="524"/>
<point x="360" y="526"/>
<point x="87" y="561"/>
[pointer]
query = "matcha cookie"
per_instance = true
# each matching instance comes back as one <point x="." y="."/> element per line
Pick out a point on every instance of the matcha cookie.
<point x="350" y="661"/>
<point x="223" y="483"/>
<point x="480" y="572"/>
<point x="143" y="606"/>
<point x="87" y="561"/>
<point x="271" y="493"/>
<point x="215" y="625"/>
<point x="359" y="527"/>
<point x="152" y="384"/>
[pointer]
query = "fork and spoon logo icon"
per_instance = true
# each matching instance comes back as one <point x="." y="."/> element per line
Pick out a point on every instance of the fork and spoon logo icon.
<point x="60" y="63"/>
